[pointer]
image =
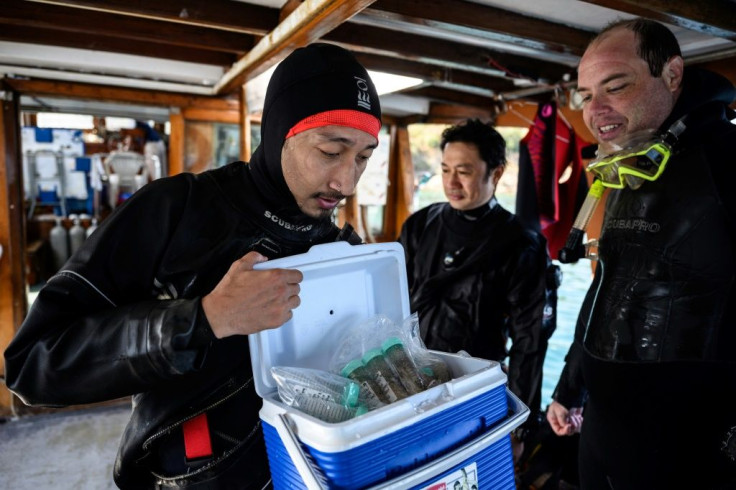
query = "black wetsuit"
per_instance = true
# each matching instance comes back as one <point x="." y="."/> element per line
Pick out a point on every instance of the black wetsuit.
<point x="655" y="342"/>
<point x="124" y="315"/>
<point x="477" y="278"/>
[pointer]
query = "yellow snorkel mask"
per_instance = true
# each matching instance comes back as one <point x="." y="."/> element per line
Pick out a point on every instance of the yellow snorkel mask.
<point x="643" y="158"/>
<point x="633" y="166"/>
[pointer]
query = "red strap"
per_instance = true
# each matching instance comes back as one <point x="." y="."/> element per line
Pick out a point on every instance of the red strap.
<point x="197" y="443"/>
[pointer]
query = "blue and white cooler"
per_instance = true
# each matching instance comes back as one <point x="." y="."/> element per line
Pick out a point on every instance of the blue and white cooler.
<point x="455" y="435"/>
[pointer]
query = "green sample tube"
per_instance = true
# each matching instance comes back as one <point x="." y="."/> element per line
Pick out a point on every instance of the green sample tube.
<point x="399" y="359"/>
<point x="371" y="394"/>
<point x="324" y="409"/>
<point x="434" y="370"/>
<point x="383" y="375"/>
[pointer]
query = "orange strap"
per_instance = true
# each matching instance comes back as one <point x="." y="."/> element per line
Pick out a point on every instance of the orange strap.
<point x="197" y="443"/>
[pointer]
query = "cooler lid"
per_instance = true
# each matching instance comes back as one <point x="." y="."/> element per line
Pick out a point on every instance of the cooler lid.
<point x="343" y="285"/>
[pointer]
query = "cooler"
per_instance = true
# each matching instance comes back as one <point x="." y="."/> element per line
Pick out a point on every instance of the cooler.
<point x="451" y="436"/>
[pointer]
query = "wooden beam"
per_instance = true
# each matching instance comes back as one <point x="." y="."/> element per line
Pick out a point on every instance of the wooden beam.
<point x="80" y="40"/>
<point x="712" y="18"/>
<point x="211" y="115"/>
<point x="492" y="23"/>
<point x="219" y="14"/>
<point x="453" y="114"/>
<point x="114" y="94"/>
<point x="517" y="115"/>
<point x="446" y="54"/>
<point x="446" y="76"/>
<point x="13" y="301"/>
<point x="403" y="120"/>
<point x="288" y="8"/>
<point x="307" y="23"/>
<point x="440" y="94"/>
<point x="33" y="15"/>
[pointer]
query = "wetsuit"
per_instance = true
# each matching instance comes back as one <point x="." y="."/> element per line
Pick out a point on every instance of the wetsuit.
<point x="655" y="341"/>
<point x="477" y="278"/>
<point x="124" y="315"/>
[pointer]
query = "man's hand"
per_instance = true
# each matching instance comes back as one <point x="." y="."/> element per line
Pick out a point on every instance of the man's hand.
<point x="564" y="422"/>
<point x="247" y="301"/>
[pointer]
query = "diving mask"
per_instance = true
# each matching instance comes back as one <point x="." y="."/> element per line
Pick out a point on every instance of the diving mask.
<point x="631" y="166"/>
<point x="643" y="157"/>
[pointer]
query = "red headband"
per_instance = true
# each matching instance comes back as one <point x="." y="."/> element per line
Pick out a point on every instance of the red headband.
<point x="339" y="117"/>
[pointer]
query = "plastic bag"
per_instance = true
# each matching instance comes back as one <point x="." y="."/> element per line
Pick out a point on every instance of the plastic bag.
<point x="389" y="360"/>
<point x="321" y="394"/>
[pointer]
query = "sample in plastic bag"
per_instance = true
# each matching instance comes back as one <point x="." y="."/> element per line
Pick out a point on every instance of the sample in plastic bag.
<point x="372" y="395"/>
<point x="321" y="394"/>
<point x="384" y="376"/>
<point x="432" y="367"/>
<point x="399" y="358"/>
<point x="388" y="360"/>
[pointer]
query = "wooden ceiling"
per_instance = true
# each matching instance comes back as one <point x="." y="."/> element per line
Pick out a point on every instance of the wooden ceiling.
<point x="467" y="53"/>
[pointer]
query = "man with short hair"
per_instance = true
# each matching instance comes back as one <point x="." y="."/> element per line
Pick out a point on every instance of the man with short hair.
<point x="476" y="276"/>
<point x="159" y="301"/>
<point x="655" y="343"/>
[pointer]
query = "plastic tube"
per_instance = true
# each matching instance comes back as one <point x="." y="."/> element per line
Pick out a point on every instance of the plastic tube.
<point x="574" y="248"/>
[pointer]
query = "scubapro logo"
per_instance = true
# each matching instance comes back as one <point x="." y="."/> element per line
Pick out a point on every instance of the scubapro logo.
<point x="285" y="224"/>
<point x="364" y="97"/>
<point x="633" y="224"/>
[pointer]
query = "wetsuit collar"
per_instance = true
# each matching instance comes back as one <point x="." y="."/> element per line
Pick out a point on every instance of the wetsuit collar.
<point x="479" y="212"/>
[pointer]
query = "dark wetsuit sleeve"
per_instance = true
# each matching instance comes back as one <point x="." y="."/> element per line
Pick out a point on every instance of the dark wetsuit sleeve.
<point x="526" y="298"/>
<point x="570" y="390"/>
<point x="98" y="329"/>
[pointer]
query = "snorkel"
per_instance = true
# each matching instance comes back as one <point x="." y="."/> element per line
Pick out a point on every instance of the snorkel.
<point x="574" y="248"/>
<point x="642" y="158"/>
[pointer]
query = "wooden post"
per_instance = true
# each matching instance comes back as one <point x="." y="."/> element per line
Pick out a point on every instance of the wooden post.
<point x="245" y="142"/>
<point x="13" y="300"/>
<point x="176" y="142"/>
<point x="350" y="214"/>
<point x="405" y="178"/>
<point x="401" y="182"/>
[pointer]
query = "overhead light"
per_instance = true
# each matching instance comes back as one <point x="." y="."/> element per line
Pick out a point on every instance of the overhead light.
<point x="386" y="82"/>
<point x="69" y="121"/>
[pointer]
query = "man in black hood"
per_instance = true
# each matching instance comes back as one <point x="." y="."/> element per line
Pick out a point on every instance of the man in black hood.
<point x="654" y="342"/>
<point x="159" y="301"/>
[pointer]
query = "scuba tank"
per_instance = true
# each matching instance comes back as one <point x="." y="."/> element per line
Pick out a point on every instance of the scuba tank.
<point x="59" y="239"/>
<point x="92" y="227"/>
<point x="76" y="236"/>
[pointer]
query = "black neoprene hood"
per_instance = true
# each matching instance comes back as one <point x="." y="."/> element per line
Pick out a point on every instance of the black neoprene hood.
<point x="317" y="78"/>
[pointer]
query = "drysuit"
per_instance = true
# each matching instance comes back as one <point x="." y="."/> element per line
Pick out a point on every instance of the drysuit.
<point x="477" y="278"/>
<point x="655" y="341"/>
<point x="124" y="315"/>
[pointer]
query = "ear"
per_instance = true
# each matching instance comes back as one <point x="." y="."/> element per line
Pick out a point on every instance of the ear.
<point x="497" y="173"/>
<point x="672" y="73"/>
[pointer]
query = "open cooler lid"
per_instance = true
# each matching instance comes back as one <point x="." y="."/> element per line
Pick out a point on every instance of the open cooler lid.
<point x="343" y="285"/>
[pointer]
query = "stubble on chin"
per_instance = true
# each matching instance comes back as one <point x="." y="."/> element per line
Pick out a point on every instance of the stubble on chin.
<point x="326" y="214"/>
<point x="317" y="213"/>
